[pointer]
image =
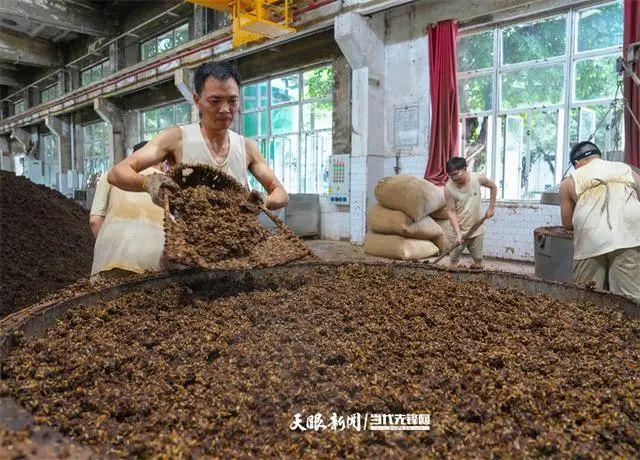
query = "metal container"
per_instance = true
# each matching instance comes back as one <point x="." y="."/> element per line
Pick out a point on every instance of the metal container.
<point x="553" y="253"/>
<point x="32" y="322"/>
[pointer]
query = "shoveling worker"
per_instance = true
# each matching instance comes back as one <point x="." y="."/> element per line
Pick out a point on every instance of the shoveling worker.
<point x="128" y="228"/>
<point x="208" y="141"/>
<point x="600" y="202"/>
<point x="463" y="199"/>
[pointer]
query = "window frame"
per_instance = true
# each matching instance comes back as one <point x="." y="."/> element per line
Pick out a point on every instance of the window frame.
<point x="47" y="91"/>
<point x="154" y="37"/>
<point x="568" y="101"/>
<point x="159" y="106"/>
<point x="301" y="133"/>
<point x="101" y="64"/>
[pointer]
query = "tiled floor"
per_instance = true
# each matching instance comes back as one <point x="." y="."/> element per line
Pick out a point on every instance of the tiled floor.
<point x="345" y="251"/>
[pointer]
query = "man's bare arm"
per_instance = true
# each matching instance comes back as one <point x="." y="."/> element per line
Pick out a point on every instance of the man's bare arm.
<point x="125" y="175"/>
<point x="567" y="202"/>
<point x="451" y="211"/>
<point x="486" y="182"/>
<point x="277" y="195"/>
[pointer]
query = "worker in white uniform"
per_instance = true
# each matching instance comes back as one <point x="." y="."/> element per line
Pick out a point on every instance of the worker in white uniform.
<point x="209" y="141"/>
<point x="463" y="199"/>
<point x="600" y="202"/>
<point x="128" y="228"/>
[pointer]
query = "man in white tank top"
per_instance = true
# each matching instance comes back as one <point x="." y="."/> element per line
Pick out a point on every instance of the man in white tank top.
<point x="600" y="202"/>
<point x="209" y="141"/>
<point x="464" y="198"/>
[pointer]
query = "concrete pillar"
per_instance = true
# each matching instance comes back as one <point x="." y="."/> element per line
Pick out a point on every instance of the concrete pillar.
<point x="199" y="21"/>
<point x="61" y="84"/>
<point x="60" y="127"/>
<point x="116" y="56"/>
<point x="361" y="41"/>
<point x="6" y="158"/>
<point x="113" y="116"/>
<point x="183" y="79"/>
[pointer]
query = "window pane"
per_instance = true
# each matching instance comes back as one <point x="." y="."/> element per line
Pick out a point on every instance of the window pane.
<point x="600" y="27"/>
<point x="183" y="113"/>
<point x="474" y="94"/>
<point x="539" y="165"/>
<point x="165" y="42"/>
<point x="610" y="133"/>
<point x="533" y="87"/>
<point x="284" y="120"/>
<point x="182" y="34"/>
<point x="165" y="117"/>
<point x="537" y="40"/>
<point x="149" y="121"/>
<point x="511" y="144"/>
<point x="476" y="139"/>
<point x="285" y="158"/>
<point x="595" y="78"/>
<point x="86" y="77"/>
<point x="318" y="82"/>
<point x="148" y="49"/>
<point x="255" y="124"/>
<point x="475" y="51"/>
<point x="254" y="96"/>
<point x="317" y="115"/>
<point x="285" y="89"/>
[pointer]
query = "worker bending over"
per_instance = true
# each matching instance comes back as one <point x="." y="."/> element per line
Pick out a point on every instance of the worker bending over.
<point x="128" y="228"/>
<point x="464" y="198"/>
<point x="600" y="202"/>
<point x="208" y="141"/>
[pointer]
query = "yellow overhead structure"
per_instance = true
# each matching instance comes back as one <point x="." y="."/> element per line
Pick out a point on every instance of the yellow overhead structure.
<point x="254" y="19"/>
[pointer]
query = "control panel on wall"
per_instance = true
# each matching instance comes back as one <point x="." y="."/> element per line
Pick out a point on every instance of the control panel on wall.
<point x="339" y="178"/>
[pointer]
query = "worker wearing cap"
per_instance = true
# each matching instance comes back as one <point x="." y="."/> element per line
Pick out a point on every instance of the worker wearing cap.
<point x="463" y="199"/>
<point x="600" y="202"/>
<point x="208" y="141"/>
<point x="128" y="228"/>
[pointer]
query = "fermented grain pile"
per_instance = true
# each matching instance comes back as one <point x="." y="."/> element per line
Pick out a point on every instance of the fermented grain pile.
<point x="216" y="229"/>
<point x="220" y="369"/>
<point x="45" y="242"/>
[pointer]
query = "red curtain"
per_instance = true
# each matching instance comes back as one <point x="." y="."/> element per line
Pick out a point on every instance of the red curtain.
<point x="443" y="143"/>
<point x="631" y="90"/>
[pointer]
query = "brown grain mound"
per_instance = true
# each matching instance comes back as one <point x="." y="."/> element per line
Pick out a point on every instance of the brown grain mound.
<point x="219" y="370"/>
<point x="45" y="242"/>
<point x="214" y="228"/>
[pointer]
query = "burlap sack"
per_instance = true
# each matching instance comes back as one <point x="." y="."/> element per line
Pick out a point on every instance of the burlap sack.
<point x="449" y="232"/>
<point x="416" y="197"/>
<point x="398" y="247"/>
<point x="390" y="222"/>
<point x="440" y="214"/>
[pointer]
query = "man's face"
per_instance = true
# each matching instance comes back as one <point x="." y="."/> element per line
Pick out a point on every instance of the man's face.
<point x="457" y="176"/>
<point x="218" y="102"/>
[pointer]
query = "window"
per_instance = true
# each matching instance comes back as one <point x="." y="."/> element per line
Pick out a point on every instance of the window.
<point x="164" y="42"/>
<point x="19" y="107"/>
<point x="51" y="162"/>
<point x="95" y="143"/>
<point x="290" y="118"/>
<point x="159" y="118"/>
<point x="529" y="90"/>
<point x="94" y="73"/>
<point x="48" y="94"/>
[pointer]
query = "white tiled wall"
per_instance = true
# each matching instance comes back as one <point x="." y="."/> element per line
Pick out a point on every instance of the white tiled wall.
<point x="509" y="234"/>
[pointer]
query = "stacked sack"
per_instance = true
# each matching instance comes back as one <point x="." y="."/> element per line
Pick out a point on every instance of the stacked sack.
<point x="402" y="225"/>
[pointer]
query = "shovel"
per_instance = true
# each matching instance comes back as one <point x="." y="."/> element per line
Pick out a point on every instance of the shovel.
<point x="466" y="236"/>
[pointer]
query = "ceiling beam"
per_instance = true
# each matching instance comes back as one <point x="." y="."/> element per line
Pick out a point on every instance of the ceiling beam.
<point x="28" y="51"/>
<point x="11" y="78"/>
<point x="61" y="15"/>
